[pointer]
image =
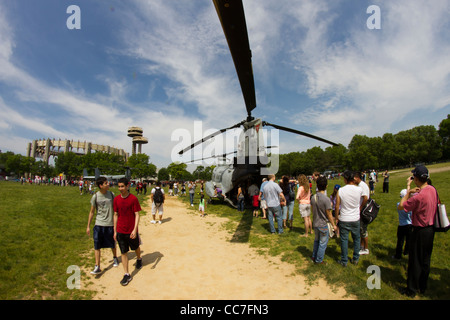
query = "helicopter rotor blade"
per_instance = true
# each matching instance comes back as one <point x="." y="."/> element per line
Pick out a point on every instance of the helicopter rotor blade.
<point x="215" y="156"/>
<point x="299" y="132"/>
<point x="232" y="18"/>
<point x="237" y="125"/>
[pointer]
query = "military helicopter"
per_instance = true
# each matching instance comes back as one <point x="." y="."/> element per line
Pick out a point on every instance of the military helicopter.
<point x="251" y="162"/>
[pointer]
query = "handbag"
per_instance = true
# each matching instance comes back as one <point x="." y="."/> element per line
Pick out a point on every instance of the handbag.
<point x="441" y="222"/>
<point x="330" y="229"/>
<point x="370" y="211"/>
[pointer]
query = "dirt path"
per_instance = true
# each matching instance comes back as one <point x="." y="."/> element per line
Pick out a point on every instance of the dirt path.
<point x="191" y="258"/>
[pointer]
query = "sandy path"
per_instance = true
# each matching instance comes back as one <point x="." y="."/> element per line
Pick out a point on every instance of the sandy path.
<point x="191" y="258"/>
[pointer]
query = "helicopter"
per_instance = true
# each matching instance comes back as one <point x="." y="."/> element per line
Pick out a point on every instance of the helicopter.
<point x="251" y="163"/>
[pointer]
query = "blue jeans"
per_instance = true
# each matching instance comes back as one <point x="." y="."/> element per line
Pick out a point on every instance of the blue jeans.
<point x="288" y="208"/>
<point x="191" y="197"/>
<point x="320" y="243"/>
<point x="275" y="211"/>
<point x="241" y="204"/>
<point x="345" y="228"/>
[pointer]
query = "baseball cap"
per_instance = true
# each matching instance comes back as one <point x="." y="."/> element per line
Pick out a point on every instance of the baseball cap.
<point x="421" y="172"/>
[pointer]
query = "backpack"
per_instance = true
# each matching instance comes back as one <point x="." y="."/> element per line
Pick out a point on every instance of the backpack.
<point x="158" y="197"/>
<point x="370" y="211"/>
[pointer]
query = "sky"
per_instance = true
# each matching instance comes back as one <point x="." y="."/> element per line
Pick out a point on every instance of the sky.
<point x="164" y="66"/>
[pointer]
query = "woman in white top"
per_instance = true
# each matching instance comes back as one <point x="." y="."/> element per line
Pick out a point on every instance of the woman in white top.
<point x="347" y="213"/>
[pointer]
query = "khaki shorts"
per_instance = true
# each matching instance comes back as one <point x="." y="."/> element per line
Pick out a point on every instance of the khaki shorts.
<point x="263" y="204"/>
<point x="159" y="209"/>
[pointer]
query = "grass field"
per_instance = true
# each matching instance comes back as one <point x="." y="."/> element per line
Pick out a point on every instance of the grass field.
<point x="42" y="232"/>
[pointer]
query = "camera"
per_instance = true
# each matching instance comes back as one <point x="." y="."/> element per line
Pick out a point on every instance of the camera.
<point x="412" y="178"/>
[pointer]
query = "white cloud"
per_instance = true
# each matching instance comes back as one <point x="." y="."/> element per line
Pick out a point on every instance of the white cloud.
<point x="377" y="77"/>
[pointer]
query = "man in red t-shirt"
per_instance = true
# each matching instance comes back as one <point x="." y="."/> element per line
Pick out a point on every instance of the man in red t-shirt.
<point x="126" y="221"/>
<point x="423" y="206"/>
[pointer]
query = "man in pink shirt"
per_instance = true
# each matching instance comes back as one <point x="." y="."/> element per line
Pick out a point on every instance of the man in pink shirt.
<point x="423" y="206"/>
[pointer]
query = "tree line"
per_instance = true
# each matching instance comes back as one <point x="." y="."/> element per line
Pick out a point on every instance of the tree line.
<point x="421" y="144"/>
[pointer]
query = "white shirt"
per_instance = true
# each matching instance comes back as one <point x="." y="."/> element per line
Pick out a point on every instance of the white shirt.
<point x="350" y="196"/>
<point x="365" y="190"/>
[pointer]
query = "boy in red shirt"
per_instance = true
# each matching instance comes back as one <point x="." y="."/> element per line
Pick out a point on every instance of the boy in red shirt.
<point x="126" y="221"/>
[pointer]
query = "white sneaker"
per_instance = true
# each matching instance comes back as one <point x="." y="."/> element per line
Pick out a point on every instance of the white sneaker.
<point x="153" y="221"/>
<point x="365" y="251"/>
<point x="159" y="221"/>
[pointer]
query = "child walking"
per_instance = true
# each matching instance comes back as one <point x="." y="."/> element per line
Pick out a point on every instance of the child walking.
<point x="202" y="205"/>
<point x="126" y="221"/>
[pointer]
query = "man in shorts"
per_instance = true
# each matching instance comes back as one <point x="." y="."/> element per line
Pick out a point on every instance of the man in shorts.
<point x="126" y="221"/>
<point x="158" y="198"/>
<point x="103" y="232"/>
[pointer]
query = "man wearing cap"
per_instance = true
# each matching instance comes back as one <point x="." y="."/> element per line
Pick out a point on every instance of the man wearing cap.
<point x="423" y="206"/>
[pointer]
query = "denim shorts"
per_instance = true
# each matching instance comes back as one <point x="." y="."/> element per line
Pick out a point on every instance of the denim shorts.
<point x="103" y="237"/>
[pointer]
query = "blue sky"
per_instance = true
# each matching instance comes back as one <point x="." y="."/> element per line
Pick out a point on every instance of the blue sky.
<point x="164" y="64"/>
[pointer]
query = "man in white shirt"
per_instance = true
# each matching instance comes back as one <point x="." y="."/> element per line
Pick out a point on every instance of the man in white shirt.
<point x="365" y="197"/>
<point x="273" y="194"/>
<point x="348" y="200"/>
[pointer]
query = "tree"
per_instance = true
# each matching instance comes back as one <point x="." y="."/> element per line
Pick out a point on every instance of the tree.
<point x="69" y="163"/>
<point x="163" y="174"/>
<point x="178" y="170"/>
<point x="140" y="166"/>
<point x="444" y="133"/>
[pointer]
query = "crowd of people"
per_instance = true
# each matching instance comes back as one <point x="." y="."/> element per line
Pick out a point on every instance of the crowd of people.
<point x="339" y="214"/>
<point x="323" y="216"/>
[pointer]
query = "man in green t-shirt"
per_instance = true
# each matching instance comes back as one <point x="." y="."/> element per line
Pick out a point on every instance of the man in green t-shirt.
<point x="103" y="232"/>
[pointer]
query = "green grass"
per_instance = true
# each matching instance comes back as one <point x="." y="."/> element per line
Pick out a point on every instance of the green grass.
<point x="43" y="232"/>
<point x="297" y="250"/>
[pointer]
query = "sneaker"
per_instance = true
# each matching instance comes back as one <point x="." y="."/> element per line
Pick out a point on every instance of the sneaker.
<point x="126" y="279"/>
<point x="96" y="270"/>
<point x="138" y="263"/>
<point x="159" y="222"/>
<point x="153" y="221"/>
<point x="364" y="251"/>
<point x="344" y="264"/>
<point x="115" y="262"/>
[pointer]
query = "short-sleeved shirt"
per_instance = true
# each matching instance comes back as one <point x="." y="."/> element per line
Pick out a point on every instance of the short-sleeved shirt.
<point x="350" y="196"/>
<point x="303" y="196"/>
<point x="423" y="206"/>
<point x="126" y="209"/>
<point x="404" y="218"/>
<point x="272" y="194"/>
<point x="262" y="188"/>
<point x="104" y="206"/>
<point x="365" y="189"/>
<point x="320" y="203"/>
